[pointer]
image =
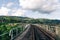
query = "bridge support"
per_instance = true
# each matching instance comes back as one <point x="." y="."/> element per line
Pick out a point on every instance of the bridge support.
<point x="10" y="34"/>
<point x="56" y="29"/>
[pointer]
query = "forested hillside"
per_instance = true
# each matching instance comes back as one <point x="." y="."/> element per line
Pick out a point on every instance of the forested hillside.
<point x="15" y="19"/>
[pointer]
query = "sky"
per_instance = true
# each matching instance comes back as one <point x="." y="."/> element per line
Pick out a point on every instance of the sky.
<point x="49" y="9"/>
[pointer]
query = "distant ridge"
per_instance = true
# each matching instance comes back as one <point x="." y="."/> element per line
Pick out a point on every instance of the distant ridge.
<point x="17" y="19"/>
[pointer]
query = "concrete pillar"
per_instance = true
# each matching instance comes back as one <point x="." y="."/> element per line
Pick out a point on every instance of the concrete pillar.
<point x="49" y="28"/>
<point x="46" y="27"/>
<point x="56" y="30"/>
<point x="12" y="35"/>
<point x="16" y="31"/>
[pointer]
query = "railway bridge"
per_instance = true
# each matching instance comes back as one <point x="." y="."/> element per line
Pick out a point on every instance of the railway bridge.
<point x="33" y="32"/>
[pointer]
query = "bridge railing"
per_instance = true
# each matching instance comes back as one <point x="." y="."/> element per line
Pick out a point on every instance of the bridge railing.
<point x="16" y="31"/>
<point x="13" y="33"/>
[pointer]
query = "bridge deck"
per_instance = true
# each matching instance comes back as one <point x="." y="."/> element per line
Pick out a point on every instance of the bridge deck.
<point x="35" y="33"/>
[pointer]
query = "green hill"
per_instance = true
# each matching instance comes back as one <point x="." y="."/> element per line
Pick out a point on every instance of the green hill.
<point x="16" y="19"/>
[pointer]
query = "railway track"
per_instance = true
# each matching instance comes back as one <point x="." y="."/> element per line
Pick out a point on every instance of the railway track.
<point x="41" y="34"/>
<point x="35" y="33"/>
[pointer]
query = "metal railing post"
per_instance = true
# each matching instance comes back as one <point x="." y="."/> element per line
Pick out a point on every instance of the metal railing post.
<point x="11" y="35"/>
<point x="16" y="31"/>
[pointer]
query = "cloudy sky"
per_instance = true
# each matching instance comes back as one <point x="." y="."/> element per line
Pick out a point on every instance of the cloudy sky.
<point x="31" y="8"/>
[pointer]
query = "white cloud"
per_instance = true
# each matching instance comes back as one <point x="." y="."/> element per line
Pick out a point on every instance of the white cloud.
<point x="4" y="11"/>
<point x="9" y="4"/>
<point x="41" y="5"/>
<point x="53" y="15"/>
<point x="18" y="12"/>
